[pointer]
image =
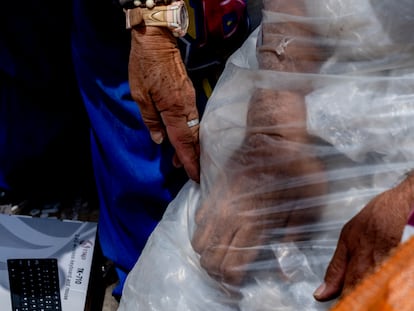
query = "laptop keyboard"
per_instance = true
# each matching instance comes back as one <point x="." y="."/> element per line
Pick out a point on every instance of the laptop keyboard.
<point x="34" y="284"/>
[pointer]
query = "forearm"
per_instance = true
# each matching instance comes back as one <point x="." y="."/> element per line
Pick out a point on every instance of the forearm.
<point x="286" y="47"/>
<point x="276" y="118"/>
<point x="289" y="46"/>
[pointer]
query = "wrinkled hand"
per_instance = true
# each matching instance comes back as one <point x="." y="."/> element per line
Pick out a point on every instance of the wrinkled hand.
<point x="243" y="210"/>
<point x="367" y="239"/>
<point x="160" y="85"/>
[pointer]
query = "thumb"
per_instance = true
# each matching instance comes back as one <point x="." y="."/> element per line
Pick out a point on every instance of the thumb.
<point x="334" y="276"/>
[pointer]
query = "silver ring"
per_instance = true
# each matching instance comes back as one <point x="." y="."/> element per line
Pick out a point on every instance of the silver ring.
<point x="193" y="122"/>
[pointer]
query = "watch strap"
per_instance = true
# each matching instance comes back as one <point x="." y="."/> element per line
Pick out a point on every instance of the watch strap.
<point x="133" y="17"/>
<point x="173" y="16"/>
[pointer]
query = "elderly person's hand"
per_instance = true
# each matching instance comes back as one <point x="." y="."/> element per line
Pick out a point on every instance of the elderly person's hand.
<point x="367" y="239"/>
<point x="237" y="221"/>
<point x="271" y="183"/>
<point x="160" y="85"/>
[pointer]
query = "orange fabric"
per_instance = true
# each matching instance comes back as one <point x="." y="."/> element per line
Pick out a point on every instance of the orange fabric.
<point x="389" y="288"/>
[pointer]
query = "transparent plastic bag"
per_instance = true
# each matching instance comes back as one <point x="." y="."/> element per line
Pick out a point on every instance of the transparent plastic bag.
<point x="358" y="111"/>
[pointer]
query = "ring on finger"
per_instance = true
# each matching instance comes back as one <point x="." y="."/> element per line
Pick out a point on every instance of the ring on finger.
<point x="193" y="122"/>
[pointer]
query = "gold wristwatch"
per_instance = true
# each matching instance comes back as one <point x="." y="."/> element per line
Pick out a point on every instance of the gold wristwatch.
<point x="173" y="16"/>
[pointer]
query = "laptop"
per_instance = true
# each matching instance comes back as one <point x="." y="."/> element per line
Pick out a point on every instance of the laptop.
<point x="45" y="264"/>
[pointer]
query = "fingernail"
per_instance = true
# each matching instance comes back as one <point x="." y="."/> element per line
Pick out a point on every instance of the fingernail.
<point x="319" y="291"/>
<point x="157" y="137"/>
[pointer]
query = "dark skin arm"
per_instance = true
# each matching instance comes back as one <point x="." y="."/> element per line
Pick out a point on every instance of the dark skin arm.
<point x="367" y="239"/>
<point x="228" y="227"/>
<point x="242" y="209"/>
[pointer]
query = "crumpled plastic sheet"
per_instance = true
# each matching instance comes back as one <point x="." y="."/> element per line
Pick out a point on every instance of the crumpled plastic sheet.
<point x="361" y="108"/>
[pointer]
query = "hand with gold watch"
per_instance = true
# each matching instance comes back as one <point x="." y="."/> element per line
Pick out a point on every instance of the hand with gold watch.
<point x="173" y="16"/>
<point x="159" y="82"/>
